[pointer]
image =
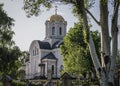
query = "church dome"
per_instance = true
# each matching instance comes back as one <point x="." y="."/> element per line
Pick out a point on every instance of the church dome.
<point x="56" y="17"/>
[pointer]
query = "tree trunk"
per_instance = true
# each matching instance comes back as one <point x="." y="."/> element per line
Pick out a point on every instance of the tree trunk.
<point x="114" y="33"/>
<point x="99" y="69"/>
<point x="105" y="39"/>
<point x="105" y="70"/>
<point x="100" y="72"/>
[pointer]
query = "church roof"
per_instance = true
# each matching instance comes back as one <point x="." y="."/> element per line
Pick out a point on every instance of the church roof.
<point x="44" y="45"/>
<point x="56" y="17"/>
<point x="49" y="56"/>
<point x="57" y="44"/>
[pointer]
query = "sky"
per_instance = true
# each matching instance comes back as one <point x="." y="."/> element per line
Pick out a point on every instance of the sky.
<point x="29" y="29"/>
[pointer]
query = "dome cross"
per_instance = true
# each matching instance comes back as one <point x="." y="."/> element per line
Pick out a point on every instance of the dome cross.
<point x="56" y="10"/>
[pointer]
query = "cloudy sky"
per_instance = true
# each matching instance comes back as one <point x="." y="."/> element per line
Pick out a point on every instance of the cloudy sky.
<point x="29" y="29"/>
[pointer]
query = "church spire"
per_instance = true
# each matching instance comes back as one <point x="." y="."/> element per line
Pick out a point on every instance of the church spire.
<point x="56" y="10"/>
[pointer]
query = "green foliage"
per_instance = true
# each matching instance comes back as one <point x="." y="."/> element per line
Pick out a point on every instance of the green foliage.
<point x="0" y="84"/>
<point x="104" y="1"/>
<point x="71" y="50"/>
<point x="14" y="83"/>
<point x="5" y="21"/>
<point x="33" y="7"/>
<point x="9" y="52"/>
<point x="86" y="35"/>
<point x="18" y="83"/>
<point x="76" y="55"/>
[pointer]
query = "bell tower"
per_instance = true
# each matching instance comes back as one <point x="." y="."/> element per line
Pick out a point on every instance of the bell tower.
<point x="55" y="28"/>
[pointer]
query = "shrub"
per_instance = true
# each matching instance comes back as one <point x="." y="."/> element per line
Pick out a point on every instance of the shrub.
<point x="17" y="83"/>
<point x="14" y="83"/>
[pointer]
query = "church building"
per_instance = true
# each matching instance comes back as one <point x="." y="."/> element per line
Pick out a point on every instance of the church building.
<point x="44" y="56"/>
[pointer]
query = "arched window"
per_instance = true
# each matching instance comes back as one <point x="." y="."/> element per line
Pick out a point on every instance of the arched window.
<point x="60" y="31"/>
<point x="52" y="69"/>
<point x="33" y="52"/>
<point x="53" y="30"/>
<point x="37" y="51"/>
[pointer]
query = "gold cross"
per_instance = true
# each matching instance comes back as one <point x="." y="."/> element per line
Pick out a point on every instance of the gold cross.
<point x="56" y="9"/>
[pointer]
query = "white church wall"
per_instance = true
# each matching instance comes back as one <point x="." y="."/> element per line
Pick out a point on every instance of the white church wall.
<point x="60" y="62"/>
<point x="35" y="61"/>
<point x="37" y="69"/>
<point x="64" y="30"/>
<point x="35" y="57"/>
<point x="48" y="66"/>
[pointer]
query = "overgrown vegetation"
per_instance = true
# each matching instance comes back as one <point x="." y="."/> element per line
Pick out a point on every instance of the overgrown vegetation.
<point x="9" y="53"/>
<point x="76" y="55"/>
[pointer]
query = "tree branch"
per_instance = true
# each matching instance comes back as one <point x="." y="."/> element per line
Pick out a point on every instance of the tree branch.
<point x="92" y="16"/>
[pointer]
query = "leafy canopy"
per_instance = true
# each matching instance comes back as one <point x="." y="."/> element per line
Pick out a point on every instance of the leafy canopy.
<point x="9" y="52"/>
<point x="75" y="51"/>
<point x="34" y="7"/>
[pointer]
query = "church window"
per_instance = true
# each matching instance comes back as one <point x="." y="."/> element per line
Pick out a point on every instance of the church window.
<point x="60" y="31"/>
<point x="53" y="30"/>
<point x="33" y="52"/>
<point x="52" y="69"/>
<point x="37" y="51"/>
<point x="61" y="68"/>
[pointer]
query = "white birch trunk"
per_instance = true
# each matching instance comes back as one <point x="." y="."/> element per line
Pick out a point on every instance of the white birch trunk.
<point x="102" y="76"/>
<point x="114" y="32"/>
<point x="114" y="53"/>
<point x="106" y="70"/>
<point x="96" y="62"/>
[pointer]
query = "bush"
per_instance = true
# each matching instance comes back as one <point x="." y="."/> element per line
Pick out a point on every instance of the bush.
<point x="36" y="85"/>
<point x="14" y="83"/>
<point x="17" y="83"/>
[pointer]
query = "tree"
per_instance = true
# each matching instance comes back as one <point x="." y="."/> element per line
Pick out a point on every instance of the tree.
<point x="72" y="50"/>
<point x="9" y="52"/>
<point x="118" y="58"/>
<point x="105" y="66"/>
<point x="76" y="56"/>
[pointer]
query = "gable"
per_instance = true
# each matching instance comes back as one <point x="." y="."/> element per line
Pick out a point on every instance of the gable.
<point x="50" y="56"/>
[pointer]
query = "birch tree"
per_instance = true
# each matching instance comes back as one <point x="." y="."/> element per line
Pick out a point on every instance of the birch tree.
<point x="109" y="33"/>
